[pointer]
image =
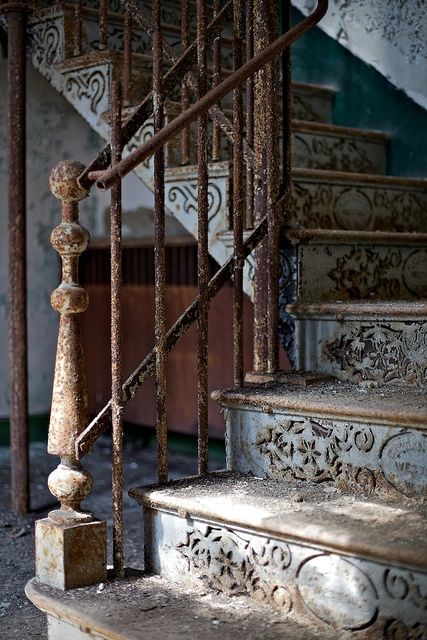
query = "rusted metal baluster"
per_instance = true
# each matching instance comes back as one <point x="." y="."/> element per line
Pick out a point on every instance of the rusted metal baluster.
<point x="273" y="176"/>
<point x="216" y="131"/>
<point x="249" y="218"/>
<point x="185" y="93"/>
<point x="202" y="247"/>
<point x="159" y="254"/>
<point x="238" y="198"/>
<point x="102" y="18"/>
<point x="116" y="335"/>
<point x="286" y="115"/>
<point x="127" y="55"/>
<point x="18" y="360"/>
<point x="262" y="147"/>
<point x="78" y="29"/>
<point x="70" y="543"/>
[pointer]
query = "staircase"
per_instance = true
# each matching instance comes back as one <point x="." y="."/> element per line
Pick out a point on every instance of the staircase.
<point x="317" y="527"/>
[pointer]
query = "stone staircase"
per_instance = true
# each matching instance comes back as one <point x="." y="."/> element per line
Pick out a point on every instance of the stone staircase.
<point x="320" y="518"/>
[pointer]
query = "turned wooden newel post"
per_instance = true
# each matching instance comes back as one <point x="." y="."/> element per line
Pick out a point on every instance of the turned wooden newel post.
<point x="70" y="542"/>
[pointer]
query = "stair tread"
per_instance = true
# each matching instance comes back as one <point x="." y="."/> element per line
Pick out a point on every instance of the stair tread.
<point x="391" y="405"/>
<point x="396" y="309"/>
<point x="307" y="513"/>
<point x="153" y="608"/>
<point x="343" y="236"/>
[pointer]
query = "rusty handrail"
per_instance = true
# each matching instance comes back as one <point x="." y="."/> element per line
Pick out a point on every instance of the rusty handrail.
<point x="106" y="179"/>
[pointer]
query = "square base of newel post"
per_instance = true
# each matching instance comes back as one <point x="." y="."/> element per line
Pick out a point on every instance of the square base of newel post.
<point x="71" y="555"/>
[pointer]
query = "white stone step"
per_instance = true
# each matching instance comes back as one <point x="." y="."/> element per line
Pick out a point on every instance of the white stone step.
<point x="146" y="607"/>
<point x="357" y="438"/>
<point x="343" y="563"/>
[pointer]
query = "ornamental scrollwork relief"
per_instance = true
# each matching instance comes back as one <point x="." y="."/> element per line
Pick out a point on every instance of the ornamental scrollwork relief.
<point x="382" y="352"/>
<point x="233" y="563"/>
<point x="186" y="196"/>
<point x="90" y="85"/>
<point x="321" y="152"/>
<point x="45" y="43"/>
<point x="363" y="273"/>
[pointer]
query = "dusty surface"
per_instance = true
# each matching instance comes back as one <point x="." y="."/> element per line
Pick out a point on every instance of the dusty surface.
<point x="399" y="405"/>
<point x="152" y="609"/>
<point x="18" y="617"/>
<point x="369" y="527"/>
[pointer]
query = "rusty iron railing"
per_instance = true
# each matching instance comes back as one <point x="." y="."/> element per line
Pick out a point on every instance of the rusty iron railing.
<point x="253" y="84"/>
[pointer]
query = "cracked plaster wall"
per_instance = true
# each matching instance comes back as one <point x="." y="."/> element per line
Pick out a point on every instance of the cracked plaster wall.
<point x="390" y="36"/>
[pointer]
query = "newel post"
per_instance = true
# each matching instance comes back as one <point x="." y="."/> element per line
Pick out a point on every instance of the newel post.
<point x="70" y="542"/>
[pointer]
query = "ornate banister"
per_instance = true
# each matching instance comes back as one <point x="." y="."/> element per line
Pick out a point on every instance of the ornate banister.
<point x="67" y="531"/>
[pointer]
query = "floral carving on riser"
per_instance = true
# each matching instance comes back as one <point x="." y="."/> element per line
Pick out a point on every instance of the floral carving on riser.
<point x="353" y="457"/>
<point x="89" y="86"/>
<point x="364" y="598"/>
<point x="320" y="151"/>
<point x="361" y="207"/>
<point x="355" y="272"/>
<point x="384" y="352"/>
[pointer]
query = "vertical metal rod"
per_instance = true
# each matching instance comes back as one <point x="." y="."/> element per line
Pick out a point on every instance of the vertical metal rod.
<point x="127" y="55"/>
<point x="216" y="131"/>
<point x="286" y="113"/>
<point x="202" y="247"/>
<point x="18" y="359"/>
<point x="159" y="253"/>
<point x="261" y="151"/>
<point x="103" y="33"/>
<point x="116" y="335"/>
<point x="273" y="171"/>
<point x="238" y="198"/>
<point x="249" y="220"/>
<point x="185" y="94"/>
<point x="77" y="48"/>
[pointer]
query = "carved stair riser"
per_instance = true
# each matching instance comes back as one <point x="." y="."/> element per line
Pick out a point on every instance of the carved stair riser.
<point x="379" y="350"/>
<point x="357" y="457"/>
<point x="335" y="204"/>
<point x="353" y="272"/>
<point x="365" y="598"/>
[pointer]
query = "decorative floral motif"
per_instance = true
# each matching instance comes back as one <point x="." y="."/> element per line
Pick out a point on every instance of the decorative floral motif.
<point x="363" y="207"/>
<point x="46" y="45"/>
<point x="235" y="564"/>
<point x="363" y="273"/>
<point x="383" y="353"/>
<point x="338" y="154"/>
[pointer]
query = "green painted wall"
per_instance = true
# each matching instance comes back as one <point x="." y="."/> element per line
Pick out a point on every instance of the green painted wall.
<point x="365" y="99"/>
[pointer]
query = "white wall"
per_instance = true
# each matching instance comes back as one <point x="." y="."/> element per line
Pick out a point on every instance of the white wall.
<point x="55" y="132"/>
<point x="390" y="35"/>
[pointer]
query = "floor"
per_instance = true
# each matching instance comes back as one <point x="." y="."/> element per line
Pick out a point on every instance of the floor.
<point x="18" y="617"/>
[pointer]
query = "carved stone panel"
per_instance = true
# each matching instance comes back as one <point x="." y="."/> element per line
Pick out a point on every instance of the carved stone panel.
<point x="382" y="351"/>
<point x="340" y="272"/>
<point x="358" y="207"/>
<point x="360" y="458"/>
<point x="364" y="598"/>
<point x="312" y="150"/>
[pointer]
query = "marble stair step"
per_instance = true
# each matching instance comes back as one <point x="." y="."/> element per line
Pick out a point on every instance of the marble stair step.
<point x="359" y="438"/>
<point x="147" y="607"/>
<point x="328" y="265"/>
<point x="381" y="341"/>
<point x="339" y="562"/>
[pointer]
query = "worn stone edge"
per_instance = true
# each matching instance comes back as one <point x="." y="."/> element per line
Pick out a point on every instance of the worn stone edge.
<point x="318" y="406"/>
<point x="332" y="541"/>
<point x="53" y="605"/>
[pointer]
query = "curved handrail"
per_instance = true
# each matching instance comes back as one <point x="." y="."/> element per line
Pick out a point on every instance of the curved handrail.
<point x="106" y="179"/>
